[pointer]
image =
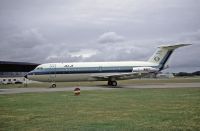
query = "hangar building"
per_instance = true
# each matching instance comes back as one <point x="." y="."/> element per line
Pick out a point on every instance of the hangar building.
<point x="13" y="72"/>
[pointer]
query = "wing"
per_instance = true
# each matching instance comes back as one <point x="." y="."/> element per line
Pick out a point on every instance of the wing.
<point x="119" y="76"/>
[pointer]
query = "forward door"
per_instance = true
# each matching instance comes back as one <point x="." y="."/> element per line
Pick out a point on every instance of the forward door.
<point x="52" y="72"/>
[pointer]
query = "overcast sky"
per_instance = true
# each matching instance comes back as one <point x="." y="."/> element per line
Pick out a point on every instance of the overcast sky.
<point x="98" y="30"/>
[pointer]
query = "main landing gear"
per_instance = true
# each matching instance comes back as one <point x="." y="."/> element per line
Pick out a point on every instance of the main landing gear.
<point x="112" y="83"/>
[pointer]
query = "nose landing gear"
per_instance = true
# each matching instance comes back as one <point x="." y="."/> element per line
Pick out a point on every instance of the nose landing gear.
<point x="53" y="85"/>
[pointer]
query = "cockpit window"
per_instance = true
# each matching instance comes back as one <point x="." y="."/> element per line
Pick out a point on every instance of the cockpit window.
<point x="39" y="68"/>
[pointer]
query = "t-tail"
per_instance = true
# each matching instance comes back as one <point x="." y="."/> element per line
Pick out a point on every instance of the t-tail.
<point x="163" y="53"/>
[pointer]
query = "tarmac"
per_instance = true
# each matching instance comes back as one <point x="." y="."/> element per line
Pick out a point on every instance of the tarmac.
<point x="130" y="86"/>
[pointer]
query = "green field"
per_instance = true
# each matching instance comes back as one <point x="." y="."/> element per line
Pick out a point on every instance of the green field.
<point x="117" y="109"/>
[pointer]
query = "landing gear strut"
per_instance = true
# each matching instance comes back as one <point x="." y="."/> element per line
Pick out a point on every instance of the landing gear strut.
<point x="112" y="83"/>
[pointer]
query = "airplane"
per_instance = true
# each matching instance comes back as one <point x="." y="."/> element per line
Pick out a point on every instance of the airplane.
<point x="103" y="71"/>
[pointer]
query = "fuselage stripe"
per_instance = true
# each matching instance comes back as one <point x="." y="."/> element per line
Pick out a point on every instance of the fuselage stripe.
<point x="165" y="59"/>
<point x="82" y="70"/>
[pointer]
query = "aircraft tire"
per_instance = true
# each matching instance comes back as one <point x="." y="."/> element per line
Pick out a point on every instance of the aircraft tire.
<point x="53" y="86"/>
<point x="114" y="83"/>
<point x="109" y="83"/>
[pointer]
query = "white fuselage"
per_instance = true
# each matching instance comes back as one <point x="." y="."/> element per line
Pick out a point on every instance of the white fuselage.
<point x="107" y="71"/>
<point x="86" y="71"/>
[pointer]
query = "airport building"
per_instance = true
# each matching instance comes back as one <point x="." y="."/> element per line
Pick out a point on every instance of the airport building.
<point x="12" y="80"/>
<point x="14" y="72"/>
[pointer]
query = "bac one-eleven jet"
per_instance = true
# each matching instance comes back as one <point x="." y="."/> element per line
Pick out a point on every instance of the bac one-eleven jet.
<point x="102" y="71"/>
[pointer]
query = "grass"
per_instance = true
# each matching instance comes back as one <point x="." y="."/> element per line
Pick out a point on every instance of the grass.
<point x="119" y="109"/>
<point x="99" y="83"/>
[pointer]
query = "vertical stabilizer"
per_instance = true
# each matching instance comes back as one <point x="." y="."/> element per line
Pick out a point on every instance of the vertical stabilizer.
<point x="163" y="53"/>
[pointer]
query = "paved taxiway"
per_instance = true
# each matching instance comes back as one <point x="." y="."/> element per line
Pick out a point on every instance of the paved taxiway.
<point x="152" y="85"/>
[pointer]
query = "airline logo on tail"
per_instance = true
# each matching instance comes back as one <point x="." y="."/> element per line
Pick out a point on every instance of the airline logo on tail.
<point x="156" y="58"/>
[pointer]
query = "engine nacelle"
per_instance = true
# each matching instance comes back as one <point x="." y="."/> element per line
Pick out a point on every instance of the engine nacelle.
<point x="144" y="69"/>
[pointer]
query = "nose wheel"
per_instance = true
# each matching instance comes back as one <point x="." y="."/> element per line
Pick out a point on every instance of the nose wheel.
<point x="112" y="83"/>
<point x="53" y="85"/>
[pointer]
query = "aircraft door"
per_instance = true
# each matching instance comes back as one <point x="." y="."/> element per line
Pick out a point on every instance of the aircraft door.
<point x="52" y="72"/>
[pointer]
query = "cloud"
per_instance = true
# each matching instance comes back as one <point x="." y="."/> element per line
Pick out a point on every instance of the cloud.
<point x="72" y="56"/>
<point x="27" y="45"/>
<point x="27" y="39"/>
<point x="100" y="30"/>
<point x="110" y="37"/>
<point x="85" y="53"/>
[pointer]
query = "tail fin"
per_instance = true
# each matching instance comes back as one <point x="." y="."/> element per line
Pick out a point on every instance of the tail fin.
<point x="163" y="53"/>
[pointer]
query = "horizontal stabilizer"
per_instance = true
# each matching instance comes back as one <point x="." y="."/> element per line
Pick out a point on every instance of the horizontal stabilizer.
<point x="173" y="46"/>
